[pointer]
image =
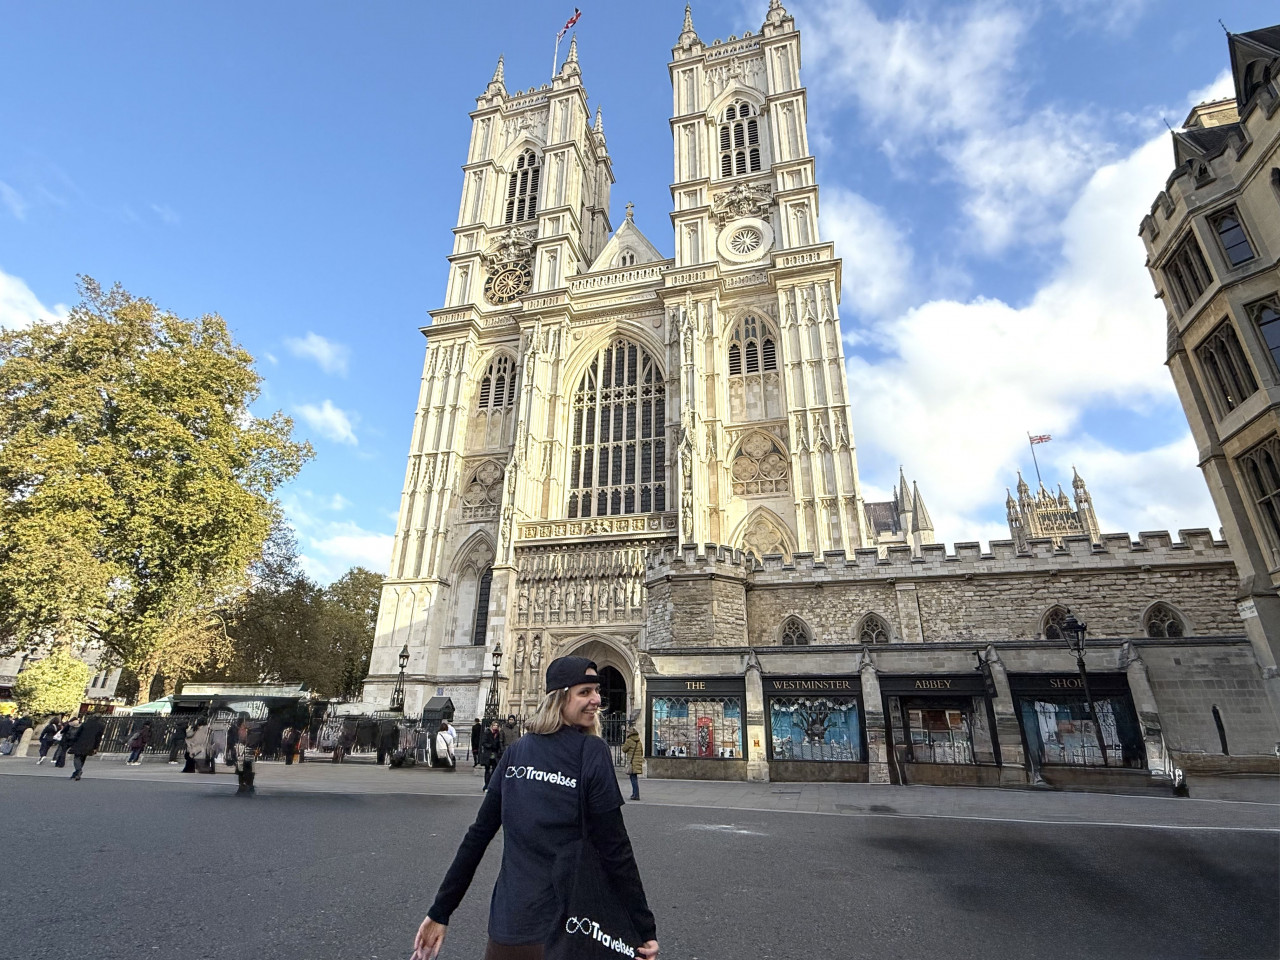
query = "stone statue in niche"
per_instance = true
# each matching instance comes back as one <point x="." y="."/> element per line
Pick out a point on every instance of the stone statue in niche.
<point x="518" y="660"/>
<point x="535" y="662"/>
<point x="555" y="599"/>
<point x="522" y="603"/>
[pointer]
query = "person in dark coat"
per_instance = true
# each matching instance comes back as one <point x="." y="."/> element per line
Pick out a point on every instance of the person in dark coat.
<point x="289" y="744"/>
<point x="477" y="740"/>
<point x="490" y="751"/>
<point x="86" y="743"/>
<point x="6" y="726"/>
<point x="69" y="731"/>
<point x="388" y="743"/>
<point x="138" y="743"/>
<point x="49" y="736"/>
<point x="21" y="726"/>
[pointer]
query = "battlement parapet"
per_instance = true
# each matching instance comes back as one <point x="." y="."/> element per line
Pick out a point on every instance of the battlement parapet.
<point x="1151" y="549"/>
<point x="691" y="559"/>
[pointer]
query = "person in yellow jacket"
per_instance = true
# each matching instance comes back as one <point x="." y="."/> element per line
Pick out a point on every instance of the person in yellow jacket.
<point x="633" y="750"/>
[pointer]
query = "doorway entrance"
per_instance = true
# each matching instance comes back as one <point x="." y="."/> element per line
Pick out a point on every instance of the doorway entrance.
<point x="613" y="705"/>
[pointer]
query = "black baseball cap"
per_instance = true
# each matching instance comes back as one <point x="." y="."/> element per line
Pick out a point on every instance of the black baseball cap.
<point x="569" y="672"/>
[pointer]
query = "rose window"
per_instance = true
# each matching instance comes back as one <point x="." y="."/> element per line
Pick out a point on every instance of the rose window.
<point x="760" y="467"/>
<point x="745" y="240"/>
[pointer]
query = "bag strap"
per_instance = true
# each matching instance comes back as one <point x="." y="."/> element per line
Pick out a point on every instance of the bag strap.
<point x="582" y="788"/>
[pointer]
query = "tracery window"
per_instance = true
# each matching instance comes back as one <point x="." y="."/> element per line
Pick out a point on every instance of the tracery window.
<point x="795" y="633"/>
<point x="739" y="140"/>
<point x="1051" y="627"/>
<point x="754" y="383"/>
<point x="1187" y="273"/>
<point x="495" y="404"/>
<point x="1235" y="243"/>
<point x="522" y="188"/>
<point x="626" y="259"/>
<point x="618" y="460"/>
<point x="1267" y="316"/>
<point x="761" y="466"/>
<point x="1161" y="621"/>
<point x="1261" y="467"/>
<point x="1230" y="380"/>
<point x="874" y="630"/>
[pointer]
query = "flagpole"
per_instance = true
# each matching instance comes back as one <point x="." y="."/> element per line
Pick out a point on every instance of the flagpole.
<point x="555" y="57"/>
<point x="1034" y="460"/>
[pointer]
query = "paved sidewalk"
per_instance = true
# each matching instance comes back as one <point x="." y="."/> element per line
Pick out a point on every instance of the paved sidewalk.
<point x="832" y="799"/>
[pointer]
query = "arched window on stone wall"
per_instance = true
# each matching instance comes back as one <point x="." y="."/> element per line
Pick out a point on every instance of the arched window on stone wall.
<point x="740" y="139"/>
<point x="482" y="492"/>
<point x="873" y="630"/>
<point x="1162" y="621"/>
<point x="522" y="188"/>
<point x="1051" y="626"/>
<point x="481" y="625"/>
<point x="755" y="385"/>
<point x="795" y="633"/>
<point x="760" y="467"/>
<point x="617" y="464"/>
<point x="495" y="405"/>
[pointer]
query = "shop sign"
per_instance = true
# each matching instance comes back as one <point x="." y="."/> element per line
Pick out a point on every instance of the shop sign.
<point x="695" y="686"/>
<point x="1109" y="684"/>
<point x="960" y="685"/>
<point x="833" y="685"/>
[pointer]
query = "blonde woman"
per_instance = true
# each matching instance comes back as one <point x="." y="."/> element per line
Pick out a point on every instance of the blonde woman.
<point x="533" y="795"/>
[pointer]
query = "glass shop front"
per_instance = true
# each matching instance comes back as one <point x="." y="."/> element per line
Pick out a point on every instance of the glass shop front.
<point x="694" y="721"/>
<point x="942" y="729"/>
<point x="815" y="728"/>
<point x="1059" y="728"/>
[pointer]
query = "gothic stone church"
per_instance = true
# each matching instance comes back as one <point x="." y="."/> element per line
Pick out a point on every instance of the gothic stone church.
<point x="650" y="461"/>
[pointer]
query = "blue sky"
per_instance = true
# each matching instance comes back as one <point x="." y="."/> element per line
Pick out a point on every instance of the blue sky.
<point x="294" y="166"/>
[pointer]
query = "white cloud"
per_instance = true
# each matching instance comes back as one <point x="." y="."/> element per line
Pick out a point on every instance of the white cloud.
<point x="328" y="549"/>
<point x="962" y="383"/>
<point x="19" y="306"/>
<point x="339" y="502"/>
<point x="165" y="212"/>
<point x="946" y="81"/>
<point x="331" y="356"/>
<point x="876" y="255"/>
<point x="12" y="199"/>
<point x="329" y="421"/>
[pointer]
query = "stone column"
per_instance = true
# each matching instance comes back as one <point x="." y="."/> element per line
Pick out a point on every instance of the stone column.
<point x="878" y="745"/>
<point x="1013" y="759"/>
<point x="1144" y="701"/>
<point x="757" y="764"/>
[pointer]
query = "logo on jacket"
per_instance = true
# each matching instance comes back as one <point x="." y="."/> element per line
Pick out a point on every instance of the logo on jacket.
<point x="546" y="776"/>
<point x="592" y="929"/>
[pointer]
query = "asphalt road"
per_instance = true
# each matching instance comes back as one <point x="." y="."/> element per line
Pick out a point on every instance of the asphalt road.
<point x="112" y="868"/>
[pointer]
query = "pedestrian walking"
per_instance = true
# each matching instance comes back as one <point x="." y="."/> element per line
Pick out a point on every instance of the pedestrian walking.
<point x="490" y="751"/>
<point x="49" y="736"/>
<point x="540" y="817"/>
<point x="477" y="741"/>
<point x="289" y="744"/>
<point x="445" y="738"/>
<point x="68" y="733"/>
<point x="6" y="726"/>
<point x="138" y="743"/>
<point x="304" y="744"/>
<point x="510" y="731"/>
<point x="388" y="742"/>
<point x="244" y="755"/>
<point x="633" y="751"/>
<point x="85" y="744"/>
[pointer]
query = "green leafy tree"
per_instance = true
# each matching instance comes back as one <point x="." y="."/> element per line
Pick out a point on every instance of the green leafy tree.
<point x="55" y="684"/>
<point x="349" y="616"/>
<point x="136" y="487"/>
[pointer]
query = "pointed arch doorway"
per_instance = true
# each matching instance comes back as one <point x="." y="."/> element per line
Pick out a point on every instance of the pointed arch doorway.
<point x="613" y="692"/>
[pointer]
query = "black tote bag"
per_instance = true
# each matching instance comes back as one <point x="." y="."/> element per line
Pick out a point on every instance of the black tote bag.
<point x="594" y="924"/>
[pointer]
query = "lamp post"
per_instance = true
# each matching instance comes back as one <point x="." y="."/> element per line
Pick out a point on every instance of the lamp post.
<point x="1073" y="632"/>
<point x="491" y="705"/>
<point x="397" y="695"/>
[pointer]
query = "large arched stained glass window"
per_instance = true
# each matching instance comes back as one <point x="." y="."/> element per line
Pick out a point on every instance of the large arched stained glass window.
<point x="618" y="461"/>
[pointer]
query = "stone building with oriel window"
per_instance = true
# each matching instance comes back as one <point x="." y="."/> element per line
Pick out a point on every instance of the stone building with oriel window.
<point x="592" y="413"/>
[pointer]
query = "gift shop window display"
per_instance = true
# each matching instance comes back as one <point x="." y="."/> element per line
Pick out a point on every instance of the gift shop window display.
<point x="819" y="720"/>
<point x="696" y="718"/>
<point x="940" y="720"/>
<point x="1058" y="727"/>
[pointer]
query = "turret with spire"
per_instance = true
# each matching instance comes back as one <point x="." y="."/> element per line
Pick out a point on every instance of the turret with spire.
<point x="1046" y="515"/>
<point x="688" y="36"/>
<point x="571" y="68"/>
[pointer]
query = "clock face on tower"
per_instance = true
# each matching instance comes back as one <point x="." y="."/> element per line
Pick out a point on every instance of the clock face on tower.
<point x="507" y="283"/>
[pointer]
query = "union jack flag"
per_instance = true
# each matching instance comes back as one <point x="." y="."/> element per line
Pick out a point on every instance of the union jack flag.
<point x="1041" y="438"/>
<point x="569" y="23"/>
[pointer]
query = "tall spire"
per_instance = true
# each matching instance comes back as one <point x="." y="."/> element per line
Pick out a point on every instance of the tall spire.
<point x="599" y="127"/>
<point x="921" y="519"/>
<point x="1024" y="491"/>
<point x="902" y="485"/>
<point x="571" y="68"/>
<point x="688" y="36"/>
<point x="497" y="86"/>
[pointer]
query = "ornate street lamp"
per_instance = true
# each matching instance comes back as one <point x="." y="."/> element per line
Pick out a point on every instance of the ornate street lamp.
<point x="397" y="695"/>
<point x="1073" y="631"/>
<point x="491" y="705"/>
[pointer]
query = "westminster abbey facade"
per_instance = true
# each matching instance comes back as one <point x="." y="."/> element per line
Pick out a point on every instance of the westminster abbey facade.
<point x="650" y="461"/>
